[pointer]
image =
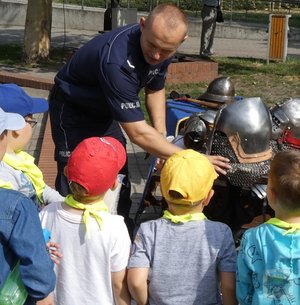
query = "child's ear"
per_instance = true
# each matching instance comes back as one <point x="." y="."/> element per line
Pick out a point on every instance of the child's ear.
<point x="206" y="201"/>
<point x="114" y="186"/>
<point x="66" y="171"/>
<point x="14" y="133"/>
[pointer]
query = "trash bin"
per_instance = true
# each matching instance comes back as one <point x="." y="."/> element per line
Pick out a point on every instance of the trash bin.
<point x="278" y="37"/>
<point x="122" y="16"/>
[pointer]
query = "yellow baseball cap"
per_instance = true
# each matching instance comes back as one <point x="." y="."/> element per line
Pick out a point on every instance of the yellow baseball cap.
<point x="189" y="173"/>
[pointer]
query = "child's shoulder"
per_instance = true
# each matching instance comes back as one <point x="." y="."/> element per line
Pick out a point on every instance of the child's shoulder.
<point x="51" y="207"/>
<point x="216" y="225"/>
<point x="112" y="219"/>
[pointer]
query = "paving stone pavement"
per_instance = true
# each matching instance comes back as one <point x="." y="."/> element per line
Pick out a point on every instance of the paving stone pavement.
<point x="231" y="47"/>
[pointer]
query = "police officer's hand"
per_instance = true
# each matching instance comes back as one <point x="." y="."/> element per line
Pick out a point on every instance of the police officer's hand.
<point x="220" y="163"/>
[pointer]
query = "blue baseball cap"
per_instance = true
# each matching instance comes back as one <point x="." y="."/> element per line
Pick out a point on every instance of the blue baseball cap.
<point x="14" y="99"/>
<point x="10" y="121"/>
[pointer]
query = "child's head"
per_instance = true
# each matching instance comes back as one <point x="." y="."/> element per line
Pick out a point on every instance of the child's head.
<point x="8" y="121"/>
<point x="187" y="178"/>
<point x="15" y="100"/>
<point x="284" y="181"/>
<point x="94" y="165"/>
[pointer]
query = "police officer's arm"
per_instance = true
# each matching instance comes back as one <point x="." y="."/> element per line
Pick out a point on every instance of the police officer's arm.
<point x="145" y="136"/>
<point x="156" y="107"/>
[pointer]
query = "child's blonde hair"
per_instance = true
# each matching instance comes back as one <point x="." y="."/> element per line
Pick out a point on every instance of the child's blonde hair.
<point x="285" y="178"/>
<point x="77" y="190"/>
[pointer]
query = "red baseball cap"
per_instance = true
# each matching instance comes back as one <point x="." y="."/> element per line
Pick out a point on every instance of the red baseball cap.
<point x="95" y="164"/>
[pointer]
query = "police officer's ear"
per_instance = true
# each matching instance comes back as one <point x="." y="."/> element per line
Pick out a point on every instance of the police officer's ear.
<point x="142" y="23"/>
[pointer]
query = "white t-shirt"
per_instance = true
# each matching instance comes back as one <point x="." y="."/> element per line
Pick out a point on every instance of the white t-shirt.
<point x="84" y="272"/>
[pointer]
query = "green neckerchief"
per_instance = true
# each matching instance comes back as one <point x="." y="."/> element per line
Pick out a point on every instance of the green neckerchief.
<point x="25" y="163"/>
<point x="291" y="227"/>
<point x="183" y="218"/>
<point x="89" y="210"/>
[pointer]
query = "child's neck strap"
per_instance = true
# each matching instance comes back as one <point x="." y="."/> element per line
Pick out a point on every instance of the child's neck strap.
<point x="25" y="163"/>
<point x="89" y="210"/>
<point x="183" y="218"/>
<point x="291" y="227"/>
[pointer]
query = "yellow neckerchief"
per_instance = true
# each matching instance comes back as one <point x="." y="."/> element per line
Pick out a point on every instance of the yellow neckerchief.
<point x="25" y="163"/>
<point x="183" y="218"/>
<point x="6" y="185"/>
<point x="89" y="210"/>
<point x="291" y="227"/>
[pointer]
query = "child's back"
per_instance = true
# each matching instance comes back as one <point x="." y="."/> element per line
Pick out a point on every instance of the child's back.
<point x="185" y="260"/>
<point x="83" y="275"/>
<point x="94" y="243"/>
<point x="268" y="266"/>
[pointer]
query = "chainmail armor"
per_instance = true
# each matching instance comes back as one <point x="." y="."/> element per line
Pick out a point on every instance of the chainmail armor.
<point x="240" y="174"/>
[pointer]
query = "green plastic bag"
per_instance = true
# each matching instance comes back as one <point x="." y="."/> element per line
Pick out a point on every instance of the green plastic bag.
<point x="13" y="291"/>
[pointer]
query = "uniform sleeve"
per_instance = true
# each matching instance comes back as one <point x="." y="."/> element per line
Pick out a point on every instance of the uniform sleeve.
<point x="36" y="267"/>
<point x="158" y="81"/>
<point x="244" y="284"/>
<point x="121" y="92"/>
<point x="139" y="257"/>
<point x="121" y="248"/>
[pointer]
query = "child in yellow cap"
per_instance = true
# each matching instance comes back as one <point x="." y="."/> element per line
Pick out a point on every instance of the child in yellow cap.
<point x="183" y="258"/>
<point x="268" y="262"/>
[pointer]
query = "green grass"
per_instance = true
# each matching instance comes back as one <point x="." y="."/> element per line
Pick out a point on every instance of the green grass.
<point x="273" y="82"/>
<point x="11" y="54"/>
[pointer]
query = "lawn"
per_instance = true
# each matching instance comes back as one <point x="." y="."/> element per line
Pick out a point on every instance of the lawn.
<point x="274" y="82"/>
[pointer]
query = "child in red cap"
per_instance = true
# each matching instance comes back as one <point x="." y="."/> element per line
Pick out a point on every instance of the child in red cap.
<point x="95" y="243"/>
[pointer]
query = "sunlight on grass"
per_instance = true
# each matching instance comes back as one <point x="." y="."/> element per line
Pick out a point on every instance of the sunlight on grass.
<point x="273" y="82"/>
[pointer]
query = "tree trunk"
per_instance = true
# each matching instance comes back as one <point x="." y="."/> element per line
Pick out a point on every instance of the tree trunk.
<point x="37" y="36"/>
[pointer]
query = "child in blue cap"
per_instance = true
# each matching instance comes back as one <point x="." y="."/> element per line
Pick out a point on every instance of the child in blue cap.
<point x="21" y="233"/>
<point x="18" y="170"/>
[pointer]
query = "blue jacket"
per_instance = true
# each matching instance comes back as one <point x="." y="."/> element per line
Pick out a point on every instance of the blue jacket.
<point x="21" y="238"/>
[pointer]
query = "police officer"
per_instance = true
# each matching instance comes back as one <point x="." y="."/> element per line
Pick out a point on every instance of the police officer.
<point x="96" y="92"/>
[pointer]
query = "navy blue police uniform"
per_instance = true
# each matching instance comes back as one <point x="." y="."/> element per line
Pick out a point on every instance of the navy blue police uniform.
<point x="98" y="89"/>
